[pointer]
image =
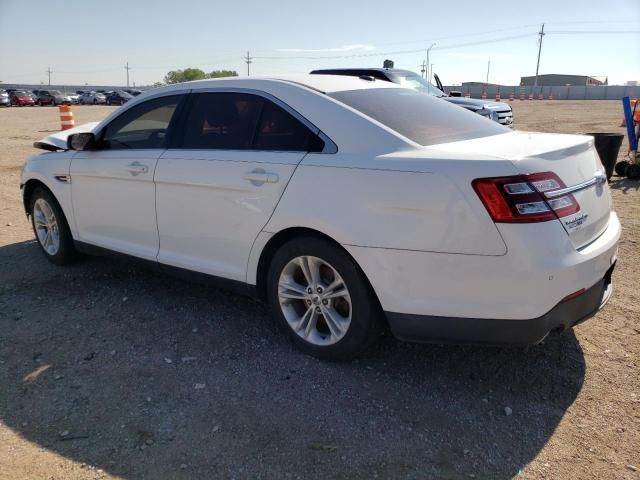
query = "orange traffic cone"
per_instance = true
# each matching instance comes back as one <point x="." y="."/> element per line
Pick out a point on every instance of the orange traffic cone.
<point x="511" y="96"/>
<point x="498" y="96"/>
<point x="66" y="117"/>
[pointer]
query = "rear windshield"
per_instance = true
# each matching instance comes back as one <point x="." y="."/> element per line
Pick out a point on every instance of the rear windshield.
<point x="425" y="119"/>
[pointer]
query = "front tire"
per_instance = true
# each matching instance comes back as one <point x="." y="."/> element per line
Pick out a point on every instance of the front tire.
<point x="322" y="299"/>
<point x="51" y="228"/>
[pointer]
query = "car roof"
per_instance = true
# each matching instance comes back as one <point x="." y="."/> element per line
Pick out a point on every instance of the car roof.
<point x="320" y="83"/>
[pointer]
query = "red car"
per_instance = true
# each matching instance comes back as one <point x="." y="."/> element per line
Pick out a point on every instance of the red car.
<point x="20" y="98"/>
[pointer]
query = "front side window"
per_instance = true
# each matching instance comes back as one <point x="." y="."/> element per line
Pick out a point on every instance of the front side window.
<point x="144" y="126"/>
<point x="241" y="121"/>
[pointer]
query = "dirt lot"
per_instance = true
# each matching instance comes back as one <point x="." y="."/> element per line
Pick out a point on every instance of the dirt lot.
<point x="112" y="371"/>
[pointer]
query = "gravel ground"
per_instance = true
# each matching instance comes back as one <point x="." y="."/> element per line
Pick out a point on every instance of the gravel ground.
<point x="109" y="370"/>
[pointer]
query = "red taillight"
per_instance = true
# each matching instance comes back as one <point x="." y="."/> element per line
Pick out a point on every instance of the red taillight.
<point x="521" y="199"/>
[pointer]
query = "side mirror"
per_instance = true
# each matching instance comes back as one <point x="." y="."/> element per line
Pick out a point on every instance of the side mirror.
<point x="81" y="141"/>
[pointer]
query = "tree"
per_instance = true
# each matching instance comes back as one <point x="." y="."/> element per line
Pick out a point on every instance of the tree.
<point x="186" y="75"/>
<point x="189" y="74"/>
<point x="222" y="73"/>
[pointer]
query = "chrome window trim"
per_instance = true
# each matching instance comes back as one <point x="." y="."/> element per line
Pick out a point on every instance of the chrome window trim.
<point x="329" y="145"/>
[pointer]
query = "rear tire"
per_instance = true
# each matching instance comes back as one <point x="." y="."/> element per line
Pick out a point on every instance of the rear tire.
<point x="51" y="228"/>
<point x="322" y="299"/>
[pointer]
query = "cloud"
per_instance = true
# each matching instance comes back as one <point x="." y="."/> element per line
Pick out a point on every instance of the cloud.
<point x="344" y="48"/>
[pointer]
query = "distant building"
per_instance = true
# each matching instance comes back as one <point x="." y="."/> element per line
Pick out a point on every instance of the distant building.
<point x="633" y="83"/>
<point x="559" y="80"/>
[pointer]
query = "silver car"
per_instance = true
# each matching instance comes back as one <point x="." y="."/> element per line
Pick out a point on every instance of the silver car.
<point x="4" y="99"/>
<point x="93" y="98"/>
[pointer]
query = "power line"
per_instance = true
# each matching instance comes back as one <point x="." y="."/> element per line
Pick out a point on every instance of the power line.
<point x="395" y="52"/>
<point x="596" y="32"/>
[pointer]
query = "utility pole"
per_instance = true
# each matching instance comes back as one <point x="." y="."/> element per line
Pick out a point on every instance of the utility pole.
<point x="535" y="82"/>
<point x="488" y="66"/>
<point x="127" y="68"/>
<point x="49" y="72"/>
<point x="428" y="78"/>
<point x="248" y="61"/>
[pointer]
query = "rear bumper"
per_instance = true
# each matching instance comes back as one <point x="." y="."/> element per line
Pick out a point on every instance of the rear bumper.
<point x="494" y="331"/>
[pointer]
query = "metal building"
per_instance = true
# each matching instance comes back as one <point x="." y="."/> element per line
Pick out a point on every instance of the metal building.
<point x="560" y="80"/>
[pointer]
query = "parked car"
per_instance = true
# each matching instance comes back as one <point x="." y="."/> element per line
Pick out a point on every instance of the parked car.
<point x="343" y="203"/>
<point x="94" y="98"/>
<point x="133" y="91"/>
<point x="51" y="97"/>
<point x="119" y="97"/>
<point x="21" y="98"/>
<point x="72" y="97"/>
<point x="4" y="99"/>
<point x="498" y="111"/>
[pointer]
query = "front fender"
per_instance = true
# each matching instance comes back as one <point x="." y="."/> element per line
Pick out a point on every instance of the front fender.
<point x="51" y="170"/>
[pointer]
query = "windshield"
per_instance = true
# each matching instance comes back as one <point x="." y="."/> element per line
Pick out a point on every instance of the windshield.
<point x="422" y="118"/>
<point x="416" y="82"/>
<point x="20" y="93"/>
<point x="54" y="92"/>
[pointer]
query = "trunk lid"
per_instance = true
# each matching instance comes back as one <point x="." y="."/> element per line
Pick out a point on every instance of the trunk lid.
<point x="572" y="158"/>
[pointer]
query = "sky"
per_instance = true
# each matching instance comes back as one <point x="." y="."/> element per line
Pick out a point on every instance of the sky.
<point x="90" y="41"/>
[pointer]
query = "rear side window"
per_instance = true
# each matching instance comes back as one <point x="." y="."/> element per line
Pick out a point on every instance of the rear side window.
<point x="279" y="130"/>
<point x="144" y="126"/>
<point x="222" y="121"/>
<point x="420" y="117"/>
<point x="241" y="121"/>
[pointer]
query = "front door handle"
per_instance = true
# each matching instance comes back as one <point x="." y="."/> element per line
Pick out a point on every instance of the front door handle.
<point x="258" y="177"/>
<point x="136" y="168"/>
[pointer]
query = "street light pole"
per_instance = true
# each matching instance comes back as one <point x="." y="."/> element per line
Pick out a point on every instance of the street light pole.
<point x="428" y="78"/>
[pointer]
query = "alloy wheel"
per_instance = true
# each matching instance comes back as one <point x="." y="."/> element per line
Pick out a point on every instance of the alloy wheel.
<point x="314" y="300"/>
<point x="46" y="226"/>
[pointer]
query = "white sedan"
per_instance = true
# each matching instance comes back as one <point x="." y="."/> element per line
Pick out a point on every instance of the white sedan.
<point x="345" y="203"/>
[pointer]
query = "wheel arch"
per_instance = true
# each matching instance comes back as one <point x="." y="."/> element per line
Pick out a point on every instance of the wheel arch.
<point x="30" y="187"/>
<point x="283" y="236"/>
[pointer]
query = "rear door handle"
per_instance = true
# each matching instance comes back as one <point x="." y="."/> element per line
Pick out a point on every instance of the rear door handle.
<point x="136" y="168"/>
<point x="258" y="177"/>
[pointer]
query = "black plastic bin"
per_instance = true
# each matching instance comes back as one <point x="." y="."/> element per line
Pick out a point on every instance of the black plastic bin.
<point x="608" y="146"/>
